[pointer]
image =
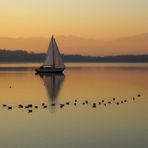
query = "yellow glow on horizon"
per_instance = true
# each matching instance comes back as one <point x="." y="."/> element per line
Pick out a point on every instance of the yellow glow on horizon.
<point x="96" y="19"/>
<point x="91" y="19"/>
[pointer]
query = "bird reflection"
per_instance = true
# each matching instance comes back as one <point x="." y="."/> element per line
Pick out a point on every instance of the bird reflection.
<point x="53" y="84"/>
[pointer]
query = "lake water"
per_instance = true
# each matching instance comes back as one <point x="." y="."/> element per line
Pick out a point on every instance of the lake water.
<point x="92" y="119"/>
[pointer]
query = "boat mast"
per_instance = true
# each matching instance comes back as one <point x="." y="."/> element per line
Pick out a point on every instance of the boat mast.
<point x="53" y="53"/>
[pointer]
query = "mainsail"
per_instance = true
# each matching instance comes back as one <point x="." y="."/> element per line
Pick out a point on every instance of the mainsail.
<point x="53" y="57"/>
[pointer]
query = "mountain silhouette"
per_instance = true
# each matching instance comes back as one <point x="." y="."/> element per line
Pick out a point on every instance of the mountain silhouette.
<point x="137" y="44"/>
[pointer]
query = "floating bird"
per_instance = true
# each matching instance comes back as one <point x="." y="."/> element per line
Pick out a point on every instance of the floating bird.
<point x="10" y="86"/>
<point x="53" y="104"/>
<point x="75" y="100"/>
<point x="94" y="105"/>
<point x="35" y="106"/>
<point x="99" y="102"/>
<point x="29" y="111"/>
<point x="86" y="101"/>
<point x="139" y="95"/>
<point x="121" y="101"/>
<point x="114" y="99"/>
<point x="26" y="107"/>
<point x="125" y="100"/>
<point x="67" y="103"/>
<point x="117" y="103"/>
<point x="104" y="104"/>
<point x="109" y="102"/>
<point x="4" y="105"/>
<point x="83" y="103"/>
<point x="133" y="98"/>
<point x="102" y="100"/>
<point x="45" y="106"/>
<point x="75" y="104"/>
<point x="20" y="106"/>
<point x="61" y="105"/>
<point x="30" y="105"/>
<point x="9" y="107"/>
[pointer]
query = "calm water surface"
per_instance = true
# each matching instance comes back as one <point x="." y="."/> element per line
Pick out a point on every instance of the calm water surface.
<point x="81" y="126"/>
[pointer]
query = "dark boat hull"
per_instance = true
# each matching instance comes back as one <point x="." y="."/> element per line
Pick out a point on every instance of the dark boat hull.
<point x="49" y="70"/>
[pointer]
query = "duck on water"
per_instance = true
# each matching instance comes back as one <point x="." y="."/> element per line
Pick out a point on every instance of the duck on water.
<point x="53" y="62"/>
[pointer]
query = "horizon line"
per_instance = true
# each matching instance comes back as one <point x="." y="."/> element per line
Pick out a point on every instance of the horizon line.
<point x="72" y="35"/>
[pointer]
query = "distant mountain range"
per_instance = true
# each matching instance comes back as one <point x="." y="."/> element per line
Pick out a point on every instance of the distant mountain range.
<point x="137" y="44"/>
<point x="24" y="56"/>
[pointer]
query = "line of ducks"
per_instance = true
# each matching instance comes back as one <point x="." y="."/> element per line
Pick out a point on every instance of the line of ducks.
<point x="30" y="107"/>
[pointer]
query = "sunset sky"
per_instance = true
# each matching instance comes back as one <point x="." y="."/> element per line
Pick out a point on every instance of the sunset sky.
<point x="96" y="19"/>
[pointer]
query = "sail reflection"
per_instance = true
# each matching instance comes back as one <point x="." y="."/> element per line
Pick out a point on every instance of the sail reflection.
<point x="53" y="84"/>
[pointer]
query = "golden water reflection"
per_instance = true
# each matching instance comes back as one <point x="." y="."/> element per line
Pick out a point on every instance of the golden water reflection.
<point x="53" y="84"/>
<point x="113" y="125"/>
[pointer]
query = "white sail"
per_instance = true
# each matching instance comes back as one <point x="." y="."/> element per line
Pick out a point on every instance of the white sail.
<point x="53" y="57"/>
<point x="49" y="56"/>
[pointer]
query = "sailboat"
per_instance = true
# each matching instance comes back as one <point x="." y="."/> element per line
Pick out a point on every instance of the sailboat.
<point x="53" y="62"/>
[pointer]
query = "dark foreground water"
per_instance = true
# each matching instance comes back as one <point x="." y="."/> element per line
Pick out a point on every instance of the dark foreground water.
<point x="81" y="110"/>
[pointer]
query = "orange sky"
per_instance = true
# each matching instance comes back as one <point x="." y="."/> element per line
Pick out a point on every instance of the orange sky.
<point x="97" y="19"/>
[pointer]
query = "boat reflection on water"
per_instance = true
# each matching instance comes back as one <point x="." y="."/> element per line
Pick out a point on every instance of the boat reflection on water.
<point x="53" y="84"/>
